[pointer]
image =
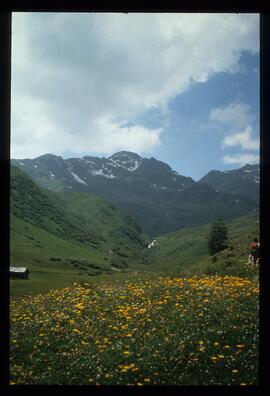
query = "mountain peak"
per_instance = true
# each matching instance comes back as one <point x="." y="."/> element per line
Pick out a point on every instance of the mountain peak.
<point x="125" y="155"/>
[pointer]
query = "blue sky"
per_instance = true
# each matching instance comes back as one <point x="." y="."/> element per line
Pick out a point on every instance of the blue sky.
<point x="191" y="139"/>
<point x="183" y="88"/>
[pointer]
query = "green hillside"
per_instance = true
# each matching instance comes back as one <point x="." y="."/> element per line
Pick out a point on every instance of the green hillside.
<point x="65" y="237"/>
<point x="186" y="250"/>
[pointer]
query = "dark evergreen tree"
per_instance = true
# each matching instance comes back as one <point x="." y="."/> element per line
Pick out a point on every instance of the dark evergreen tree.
<point x="218" y="237"/>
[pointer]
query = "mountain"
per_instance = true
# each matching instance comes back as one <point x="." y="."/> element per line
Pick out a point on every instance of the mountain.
<point x="69" y="232"/>
<point x="55" y="172"/>
<point x="160" y="199"/>
<point x="243" y="181"/>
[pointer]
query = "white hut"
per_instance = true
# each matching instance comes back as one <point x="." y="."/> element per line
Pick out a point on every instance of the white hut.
<point x="19" y="272"/>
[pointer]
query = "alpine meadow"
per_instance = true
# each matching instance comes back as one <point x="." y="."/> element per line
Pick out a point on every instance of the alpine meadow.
<point x="134" y="199"/>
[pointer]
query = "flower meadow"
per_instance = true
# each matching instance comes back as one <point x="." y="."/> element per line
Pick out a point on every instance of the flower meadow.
<point x="163" y="331"/>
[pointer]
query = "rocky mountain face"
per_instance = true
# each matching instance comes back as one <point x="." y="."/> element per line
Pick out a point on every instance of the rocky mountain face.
<point x="244" y="181"/>
<point x="124" y="166"/>
<point x="159" y="198"/>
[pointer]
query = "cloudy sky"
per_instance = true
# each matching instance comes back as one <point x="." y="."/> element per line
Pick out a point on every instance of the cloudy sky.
<point x="183" y="88"/>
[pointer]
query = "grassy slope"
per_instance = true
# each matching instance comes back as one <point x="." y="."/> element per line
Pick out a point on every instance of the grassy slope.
<point x="65" y="237"/>
<point x="181" y="253"/>
<point x="118" y="232"/>
<point x="185" y="250"/>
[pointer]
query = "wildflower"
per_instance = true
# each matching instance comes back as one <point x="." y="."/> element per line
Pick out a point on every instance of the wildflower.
<point x="126" y="353"/>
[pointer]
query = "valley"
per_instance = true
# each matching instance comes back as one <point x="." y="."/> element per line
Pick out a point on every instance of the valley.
<point x="76" y="235"/>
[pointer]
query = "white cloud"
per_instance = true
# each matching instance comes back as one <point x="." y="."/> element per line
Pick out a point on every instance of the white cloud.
<point x="241" y="159"/>
<point x="234" y="115"/>
<point x="87" y="73"/>
<point x="242" y="139"/>
<point x="230" y="119"/>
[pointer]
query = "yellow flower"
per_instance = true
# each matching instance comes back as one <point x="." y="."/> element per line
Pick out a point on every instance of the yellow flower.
<point x="41" y="334"/>
<point x="234" y="371"/>
<point x="126" y="353"/>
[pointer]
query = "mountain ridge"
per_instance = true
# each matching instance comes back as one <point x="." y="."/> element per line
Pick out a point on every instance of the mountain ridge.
<point x="159" y="198"/>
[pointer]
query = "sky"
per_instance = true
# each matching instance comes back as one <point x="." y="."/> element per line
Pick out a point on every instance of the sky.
<point x="182" y="88"/>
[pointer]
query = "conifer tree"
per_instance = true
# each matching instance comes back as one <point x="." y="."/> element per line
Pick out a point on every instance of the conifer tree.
<point x="218" y="237"/>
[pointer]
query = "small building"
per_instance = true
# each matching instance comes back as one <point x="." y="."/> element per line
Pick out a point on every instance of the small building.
<point x="19" y="272"/>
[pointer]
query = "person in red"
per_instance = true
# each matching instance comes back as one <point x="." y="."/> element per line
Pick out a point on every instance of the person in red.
<point x="255" y="252"/>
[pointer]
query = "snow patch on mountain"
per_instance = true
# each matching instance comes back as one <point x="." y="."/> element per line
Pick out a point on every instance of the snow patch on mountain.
<point x="100" y="172"/>
<point x="129" y="165"/>
<point x="77" y="178"/>
<point x="159" y="187"/>
<point x="52" y="175"/>
<point x="152" y="244"/>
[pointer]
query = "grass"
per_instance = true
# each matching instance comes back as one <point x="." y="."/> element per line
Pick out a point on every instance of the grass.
<point x="186" y="249"/>
<point x="139" y="331"/>
<point x="182" y="253"/>
<point x="48" y="259"/>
